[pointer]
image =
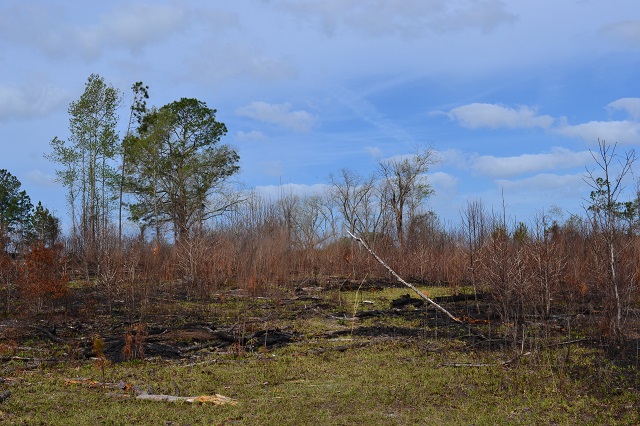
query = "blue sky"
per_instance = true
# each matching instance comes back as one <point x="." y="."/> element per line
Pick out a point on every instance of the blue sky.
<point x="511" y="94"/>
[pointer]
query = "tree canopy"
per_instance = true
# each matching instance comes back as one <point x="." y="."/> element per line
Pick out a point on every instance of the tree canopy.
<point x="176" y="164"/>
<point x="15" y="207"/>
<point x="87" y="159"/>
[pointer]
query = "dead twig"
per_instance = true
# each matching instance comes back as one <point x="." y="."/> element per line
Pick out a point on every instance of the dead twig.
<point x="464" y="364"/>
<point x="569" y="342"/>
<point x="469" y="364"/>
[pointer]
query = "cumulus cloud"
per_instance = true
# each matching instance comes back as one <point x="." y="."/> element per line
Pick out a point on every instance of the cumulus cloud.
<point x="623" y="132"/>
<point x="548" y="183"/>
<point x="626" y="31"/>
<point x="630" y="105"/>
<point x="558" y="158"/>
<point x="477" y="115"/>
<point x="279" y="114"/>
<point x="28" y="101"/>
<point x="409" y="18"/>
<point x="494" y="116"/>
<point x="454" y="157"/>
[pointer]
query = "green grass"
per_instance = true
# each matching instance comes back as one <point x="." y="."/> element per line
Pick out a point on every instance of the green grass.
<point x="383" y="297"/>
<point x="391" y="382"/>
<point x="434" y="379"/>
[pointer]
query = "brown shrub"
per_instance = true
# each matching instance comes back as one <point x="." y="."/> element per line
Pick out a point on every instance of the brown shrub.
<point x="42" y="277"/>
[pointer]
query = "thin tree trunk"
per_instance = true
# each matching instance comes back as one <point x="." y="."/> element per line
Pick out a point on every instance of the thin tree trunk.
<point x="411" y="286"/>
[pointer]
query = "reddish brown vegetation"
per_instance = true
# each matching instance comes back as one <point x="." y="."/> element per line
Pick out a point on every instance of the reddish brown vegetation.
<point x="526" y="275"/>
<point x="41" y="276"/>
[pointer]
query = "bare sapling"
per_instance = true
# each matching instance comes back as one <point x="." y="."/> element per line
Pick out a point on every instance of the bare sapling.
<point x="608" y="214"/>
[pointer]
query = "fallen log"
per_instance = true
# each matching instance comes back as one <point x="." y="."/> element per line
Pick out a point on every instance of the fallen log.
<point x="399" y="278"/>
<point x="414" y="288"/>
<point x="215" y="399"/>
<point x="49" y="335"/>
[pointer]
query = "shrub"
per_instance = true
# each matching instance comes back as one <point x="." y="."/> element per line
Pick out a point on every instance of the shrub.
<point x="42" y="277"/>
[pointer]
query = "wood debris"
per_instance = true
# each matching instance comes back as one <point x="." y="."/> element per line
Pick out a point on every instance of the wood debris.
<point x="203" y="399"/>
<point x="215" y="399"/>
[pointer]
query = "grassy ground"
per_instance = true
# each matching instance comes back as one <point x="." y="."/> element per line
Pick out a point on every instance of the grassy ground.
<point x="334" y="375"/>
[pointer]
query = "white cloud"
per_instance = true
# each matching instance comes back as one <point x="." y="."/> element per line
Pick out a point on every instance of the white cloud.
<point x="277" y="191"/>
<point x="137" y="25"/>
<point x="626" y="31"/>
<point x="29" y="101"/>
<point x="484" y="15"/>
<point x="543" y="182"/>
<point x="479" y="115"/>
<point x="252" y="135"/>
<point x="557" y="159"/>
<point x="442" y="181"/>
<point x="543" y="190"/>
<point x="622" y="132"/>
<point x="279" y="114"/>
<point x="215" y="62"/>
<point x="526" y="197"/>
<point x="630" y="105"/>
<point x="494" y="116"/>
<point x="454" y="157"/>
<point x="409" y="18"/>
<point x="132" y="26"/>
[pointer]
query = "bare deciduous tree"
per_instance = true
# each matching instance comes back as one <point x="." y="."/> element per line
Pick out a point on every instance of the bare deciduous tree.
<point x="475" y="231"/>
<point x="404" y="185"/>
<point x="353" y="195"/>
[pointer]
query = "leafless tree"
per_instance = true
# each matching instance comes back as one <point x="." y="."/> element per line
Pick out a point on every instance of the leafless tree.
<point x="475" y="230"/>
<point x="353" y="196"/>
<point x="404" y="185"/>
<point x="607" y="213"/>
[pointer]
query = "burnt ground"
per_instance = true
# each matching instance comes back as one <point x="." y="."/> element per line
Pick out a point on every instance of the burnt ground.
<point x="185" y="327"/>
